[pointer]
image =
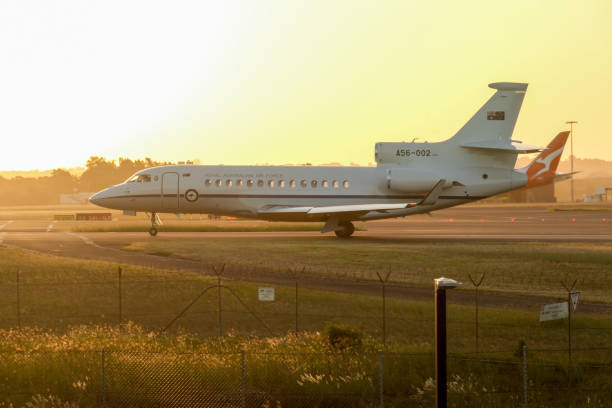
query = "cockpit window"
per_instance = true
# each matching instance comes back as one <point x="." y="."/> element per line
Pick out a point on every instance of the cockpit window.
<point x="140" y="178"/>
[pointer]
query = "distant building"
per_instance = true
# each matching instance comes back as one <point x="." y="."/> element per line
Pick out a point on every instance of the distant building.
<point x="601" y="194"/>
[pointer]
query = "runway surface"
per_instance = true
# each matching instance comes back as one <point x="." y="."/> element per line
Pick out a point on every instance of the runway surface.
<point x="465" y="224"/>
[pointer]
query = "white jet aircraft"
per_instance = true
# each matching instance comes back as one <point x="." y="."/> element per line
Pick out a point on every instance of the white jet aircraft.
<point x="410" y="178"/>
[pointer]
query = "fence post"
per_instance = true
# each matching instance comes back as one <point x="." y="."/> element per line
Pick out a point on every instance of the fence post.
<point x="383" y="281"/>
<point x="219" y="273"/>
<point x="525" y="377"/>
<point x="243" y="391"/>
<point x="103" y="380"/>
<point x="120" y="299"/>
<point x="18" y="301"/>
<point x="381" y="378"/>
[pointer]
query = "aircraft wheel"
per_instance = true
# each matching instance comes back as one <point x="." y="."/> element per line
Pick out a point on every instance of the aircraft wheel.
<point x="347" y="230"/>
<point x="153" y="231"/>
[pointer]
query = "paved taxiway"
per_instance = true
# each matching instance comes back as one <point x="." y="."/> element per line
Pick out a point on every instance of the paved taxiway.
<point x="471" y="224"/>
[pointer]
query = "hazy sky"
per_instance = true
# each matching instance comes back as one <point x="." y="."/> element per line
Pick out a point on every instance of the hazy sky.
<point x="289" y="82"/>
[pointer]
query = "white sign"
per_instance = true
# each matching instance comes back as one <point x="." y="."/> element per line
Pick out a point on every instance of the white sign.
<point x="266" y="294"/>
<point x="554" y="311"/>
<point x="574" y="296"/>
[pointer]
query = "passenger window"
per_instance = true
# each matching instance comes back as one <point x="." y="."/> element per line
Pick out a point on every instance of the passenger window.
<point x="292" y="184"/>
<point x="303" y="183"/>
<point x="155" y="178"/>
<point x="281" y="183"/>
<point x="260" y="183"/>
<point x="345" y="184"/>
<point x="335" y="184"/>
<point x="239" y="183"/>
<point x="313" y="183"/>
<point x="218" y="183"/>
<point x="271" y="183"/>
<point x="324" y="184"/>
<point x="208" y="182"/>
<point x="250" y="183"/>
<point x="228" y="183"/>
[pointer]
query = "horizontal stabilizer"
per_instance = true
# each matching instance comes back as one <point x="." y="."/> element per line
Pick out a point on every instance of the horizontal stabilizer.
<point x="564" y="176"/>
<point x="504" y="146"/>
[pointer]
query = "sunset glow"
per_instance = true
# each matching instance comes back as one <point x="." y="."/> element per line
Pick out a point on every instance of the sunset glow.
<point x="289" y="82"/>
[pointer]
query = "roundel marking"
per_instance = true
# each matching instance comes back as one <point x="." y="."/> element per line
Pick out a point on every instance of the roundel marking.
<point x="191" y="195"/>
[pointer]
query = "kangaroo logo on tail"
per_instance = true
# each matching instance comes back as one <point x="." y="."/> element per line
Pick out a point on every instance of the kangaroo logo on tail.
<point x="542" y="169"/>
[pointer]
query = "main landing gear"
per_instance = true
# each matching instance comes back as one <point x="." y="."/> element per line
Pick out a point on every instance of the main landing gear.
<point x="153" y="230"/>
<point x="346" y="229"/>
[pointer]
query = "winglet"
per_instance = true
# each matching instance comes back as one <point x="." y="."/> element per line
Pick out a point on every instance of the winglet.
<point x="542" y="169"/>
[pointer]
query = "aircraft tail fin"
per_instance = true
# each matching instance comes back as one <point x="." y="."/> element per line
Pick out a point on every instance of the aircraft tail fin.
<point x="542" y="170"/>
<point x="495" y="120"/>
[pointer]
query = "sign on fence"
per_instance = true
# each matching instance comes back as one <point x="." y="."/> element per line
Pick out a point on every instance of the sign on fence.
<point x="554" y="311"/>
<point x="575" y="296"/>
<point x="266" y="294"/>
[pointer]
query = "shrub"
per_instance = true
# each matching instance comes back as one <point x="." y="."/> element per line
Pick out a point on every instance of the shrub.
<point x="343" y="337"/>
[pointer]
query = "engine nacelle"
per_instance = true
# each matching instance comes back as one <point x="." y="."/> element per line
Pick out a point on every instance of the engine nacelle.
<point x="409" y="180"/>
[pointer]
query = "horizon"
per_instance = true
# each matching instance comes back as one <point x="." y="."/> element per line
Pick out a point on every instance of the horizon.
<point x="287" y="83"/>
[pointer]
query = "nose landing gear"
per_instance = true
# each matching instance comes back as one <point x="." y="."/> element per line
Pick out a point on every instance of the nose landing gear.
<point x="153" y="230"/>
<point x="347" y="229"/>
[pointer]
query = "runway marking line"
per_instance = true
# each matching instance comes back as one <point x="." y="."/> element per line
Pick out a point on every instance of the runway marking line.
<point x="86" y="240"/>
<point x="50" y="227"/>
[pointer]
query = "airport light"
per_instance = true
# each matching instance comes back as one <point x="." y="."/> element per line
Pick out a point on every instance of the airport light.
<point x="441" y="285"/>
<point x="571" y="123"/>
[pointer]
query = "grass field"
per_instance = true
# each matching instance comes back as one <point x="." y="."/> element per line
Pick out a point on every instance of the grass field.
<point x="56" y="292"/>
<point x="534" y="268"/>
<point x="75" y="305"/>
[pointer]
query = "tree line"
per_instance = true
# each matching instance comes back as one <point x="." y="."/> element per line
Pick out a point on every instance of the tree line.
<point x="100" y="173"/>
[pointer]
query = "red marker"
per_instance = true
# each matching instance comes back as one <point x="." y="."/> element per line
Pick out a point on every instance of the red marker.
<point x="542" y="219"/>
<point x="482" y="220"/>
<point x="573" y="219"/>
<point x="603" y="219"/>
<point x="512" y="219"/>
<point x="450" y="220"/>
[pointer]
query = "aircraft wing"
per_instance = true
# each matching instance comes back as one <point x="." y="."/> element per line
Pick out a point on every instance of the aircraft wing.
<point x="337" y="210"/>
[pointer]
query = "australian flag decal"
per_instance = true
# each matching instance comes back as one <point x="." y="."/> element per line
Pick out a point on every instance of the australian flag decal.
<point x="495" y="115"/>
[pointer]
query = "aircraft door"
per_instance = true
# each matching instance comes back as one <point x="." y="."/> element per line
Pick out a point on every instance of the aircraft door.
<point x="170" y="191"/>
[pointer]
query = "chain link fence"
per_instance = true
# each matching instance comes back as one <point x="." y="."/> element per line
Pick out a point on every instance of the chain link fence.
<point x="114" y="378"/>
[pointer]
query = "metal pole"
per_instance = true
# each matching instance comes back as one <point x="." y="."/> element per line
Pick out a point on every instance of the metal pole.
<point x="571" y="123"/>
<point x="296" y="307"/>
<point x="103" y="380"/>
<point x="441" y="285"/>
<point x="440" y="305"/>
<point x="243" y="379"/>
<point x="525" y="378"/>
<point x="383" y="280"/>
<point x="18" y="301"/>
<point x="120" y="299"/>
<point x="384" y="314"/>
<point x="569" y="329"/>
<point x="477" y="319"/>
<point x="476" y="285"/>
<point x="219" y="306"/>
<point x="380" y="376"/>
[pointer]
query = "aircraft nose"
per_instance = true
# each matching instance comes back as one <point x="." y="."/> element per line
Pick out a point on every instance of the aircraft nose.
<point x="97" y="198"/>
